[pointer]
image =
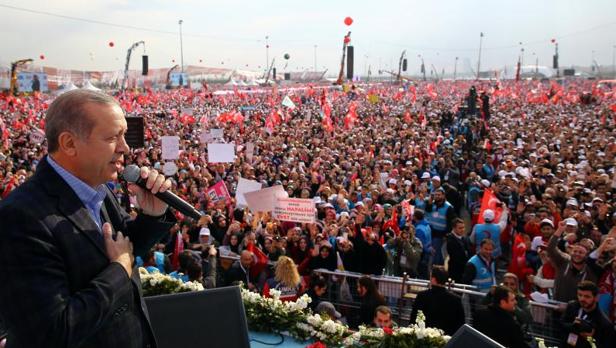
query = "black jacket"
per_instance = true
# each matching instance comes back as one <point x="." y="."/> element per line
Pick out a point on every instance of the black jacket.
<point x="58" y="287"/>
<point x="442" y="309"/>
<point x="500" y="326"/>
<point x="459" y="251"/>
<point x="604" y="330"/>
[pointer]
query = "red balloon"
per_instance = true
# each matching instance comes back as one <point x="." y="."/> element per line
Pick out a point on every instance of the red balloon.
<point x="111" y="44"/>
<point x="347" y="39"/>
<point x="42" y="57"/>
<point x="348" y="21"/>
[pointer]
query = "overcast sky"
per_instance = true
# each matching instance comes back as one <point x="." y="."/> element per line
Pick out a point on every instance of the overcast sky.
<point x="233" y="32"/>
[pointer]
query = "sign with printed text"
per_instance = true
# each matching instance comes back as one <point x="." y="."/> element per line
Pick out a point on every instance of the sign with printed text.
<point x="218" y="192"/>
<point x="37" y="136"/>
<point x="294" y="209"/>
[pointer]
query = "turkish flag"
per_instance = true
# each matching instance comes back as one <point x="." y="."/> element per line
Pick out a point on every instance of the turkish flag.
<point x="260" y="260"/>
<point x="489" y="201"/>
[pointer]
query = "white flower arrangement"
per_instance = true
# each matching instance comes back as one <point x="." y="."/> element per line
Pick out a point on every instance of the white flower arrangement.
<point x="293" y="317"/>
<point x="157" y="283"/>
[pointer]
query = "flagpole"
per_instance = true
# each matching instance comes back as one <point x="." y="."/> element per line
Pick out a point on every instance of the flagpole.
<point x="479" y="60"/>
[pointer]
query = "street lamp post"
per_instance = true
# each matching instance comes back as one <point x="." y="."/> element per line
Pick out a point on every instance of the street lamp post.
<point x="181" y="47"/>
<point x="479" y="60"/>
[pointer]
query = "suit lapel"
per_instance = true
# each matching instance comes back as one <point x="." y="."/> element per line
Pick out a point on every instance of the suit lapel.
<point x="70" y="205"/>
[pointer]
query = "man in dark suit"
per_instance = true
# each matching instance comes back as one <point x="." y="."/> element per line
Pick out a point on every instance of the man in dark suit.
<point x="497" y="321"/>
<point x="443" y="309"/>
<point x="458" y="249"/>
<point x="66" y="261"/>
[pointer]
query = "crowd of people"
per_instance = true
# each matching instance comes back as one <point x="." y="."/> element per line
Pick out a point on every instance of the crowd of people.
<point x="448" y="182"/>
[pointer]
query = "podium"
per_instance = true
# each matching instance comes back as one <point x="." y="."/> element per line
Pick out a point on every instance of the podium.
<point x="211" y="318"/>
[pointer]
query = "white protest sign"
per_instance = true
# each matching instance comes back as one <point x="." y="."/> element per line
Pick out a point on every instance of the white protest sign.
<point x="187" y="111"/>
<point x="250" y="151"/>
<point x="221" y="153"/>
<point x="169" y="169"/>
<point x="205" y="138"/>
<point x="217" y="133"/>
<point x="294" y="209"/>
<point x="37" y="136"/>
<point x="245" y="186"/>
<point x="265" y="199"/>
<point x="383" y="179"/>
<point x="171" y="147"/>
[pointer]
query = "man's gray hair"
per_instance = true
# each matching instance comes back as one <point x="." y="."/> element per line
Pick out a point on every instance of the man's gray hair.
<point x="66" y="114"/>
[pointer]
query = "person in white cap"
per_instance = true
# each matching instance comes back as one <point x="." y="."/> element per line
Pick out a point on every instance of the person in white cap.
<point x="490" y="230"/>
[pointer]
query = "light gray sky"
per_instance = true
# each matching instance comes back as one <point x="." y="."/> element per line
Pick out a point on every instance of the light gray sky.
<point x="234" y="31"/>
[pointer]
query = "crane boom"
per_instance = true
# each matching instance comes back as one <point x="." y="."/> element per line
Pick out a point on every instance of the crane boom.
<point x="130" y="50"/>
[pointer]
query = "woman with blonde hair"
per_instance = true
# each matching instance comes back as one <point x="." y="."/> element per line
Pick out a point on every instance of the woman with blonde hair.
<point x="286" y="280"/>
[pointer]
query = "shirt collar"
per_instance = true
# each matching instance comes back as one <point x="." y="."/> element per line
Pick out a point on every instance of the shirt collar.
<point x="89" y="196"/>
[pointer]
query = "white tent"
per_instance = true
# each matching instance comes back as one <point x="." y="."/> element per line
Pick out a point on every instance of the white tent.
<point x="67" y="87"/>
<point x="89" y="86"/>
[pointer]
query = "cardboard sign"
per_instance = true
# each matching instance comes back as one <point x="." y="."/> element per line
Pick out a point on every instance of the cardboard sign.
<point x="250" y="151"/>
<point x="171" y="147"/>
<point x="221" y="153"/>
<point x="217" y="133"/>
<point x="218" y="192"/>
<point x="265" y="199"/>
<point x="245" y="186"/>
<point x="294" y="209"/>
<point x="37" y="136"/>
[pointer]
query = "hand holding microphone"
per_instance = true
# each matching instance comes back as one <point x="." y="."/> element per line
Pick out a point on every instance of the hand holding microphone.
<point x="152" y="192"/>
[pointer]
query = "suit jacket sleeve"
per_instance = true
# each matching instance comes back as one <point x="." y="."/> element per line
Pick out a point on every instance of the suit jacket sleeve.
<point x="144" y="231"/>
<point x="35" y="297"/>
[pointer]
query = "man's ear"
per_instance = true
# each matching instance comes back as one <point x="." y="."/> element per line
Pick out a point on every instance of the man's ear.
<point x="67" y="143"/>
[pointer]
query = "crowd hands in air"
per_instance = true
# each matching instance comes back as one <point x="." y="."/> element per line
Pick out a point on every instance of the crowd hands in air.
<point x="397" y="176"/>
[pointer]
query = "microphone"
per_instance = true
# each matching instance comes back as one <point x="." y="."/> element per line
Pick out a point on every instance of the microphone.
<point x="132" y="174"/>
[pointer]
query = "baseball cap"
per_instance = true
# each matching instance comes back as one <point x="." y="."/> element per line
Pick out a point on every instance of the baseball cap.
<point x="571" y="222"/>
<point x="204" y="231"/>
<point x="488" y="215"/>
<point x="546" y="222"/>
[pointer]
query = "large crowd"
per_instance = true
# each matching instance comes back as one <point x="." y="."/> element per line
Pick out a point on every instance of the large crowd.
<point x="400" y="177"/>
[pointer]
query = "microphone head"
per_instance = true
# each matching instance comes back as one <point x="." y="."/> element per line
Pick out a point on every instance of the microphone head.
<point x="131" y="173"/>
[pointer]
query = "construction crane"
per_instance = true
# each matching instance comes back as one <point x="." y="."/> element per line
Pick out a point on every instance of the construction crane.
<point x="345" y="43"/>
<point x="398" y="76"/>
<point x="14" y="66"/>
<point x="130" y="51"/>
<point x="168" y="80"/>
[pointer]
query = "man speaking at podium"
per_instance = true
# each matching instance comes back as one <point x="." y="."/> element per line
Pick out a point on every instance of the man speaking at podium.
<point x="67" y="248"/>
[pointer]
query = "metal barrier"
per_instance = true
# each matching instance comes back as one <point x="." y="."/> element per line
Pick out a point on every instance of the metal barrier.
<point x="400" y="294"/>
